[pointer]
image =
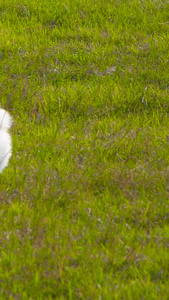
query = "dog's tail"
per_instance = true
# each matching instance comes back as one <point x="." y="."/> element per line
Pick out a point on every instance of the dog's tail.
<point x="5" y="119"/>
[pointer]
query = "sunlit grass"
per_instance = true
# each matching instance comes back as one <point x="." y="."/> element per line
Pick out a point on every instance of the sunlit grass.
<point x="84" y="200"/>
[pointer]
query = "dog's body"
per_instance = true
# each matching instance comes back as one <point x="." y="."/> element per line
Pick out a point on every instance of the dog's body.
<point x="5" y="139"/>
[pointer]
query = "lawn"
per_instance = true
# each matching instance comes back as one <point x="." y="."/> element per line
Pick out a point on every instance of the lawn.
<point x="84" y="211"/>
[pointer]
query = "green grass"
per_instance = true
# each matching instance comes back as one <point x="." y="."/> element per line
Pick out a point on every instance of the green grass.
<point x="84" y="210"/>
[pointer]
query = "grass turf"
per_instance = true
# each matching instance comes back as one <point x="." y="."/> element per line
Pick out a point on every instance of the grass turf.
<point x="84" y="201"/>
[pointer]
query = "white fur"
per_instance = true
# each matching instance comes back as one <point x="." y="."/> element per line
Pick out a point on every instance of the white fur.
<point x="5" y="139"/>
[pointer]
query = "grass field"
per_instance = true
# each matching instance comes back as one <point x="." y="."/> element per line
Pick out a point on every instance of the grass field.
<point x="84" y="210"/>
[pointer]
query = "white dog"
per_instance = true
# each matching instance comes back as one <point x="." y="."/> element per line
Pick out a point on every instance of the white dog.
<point x="5" y="139"/>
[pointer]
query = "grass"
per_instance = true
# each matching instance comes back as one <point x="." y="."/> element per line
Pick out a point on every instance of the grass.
<point x="84" y="202"/>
